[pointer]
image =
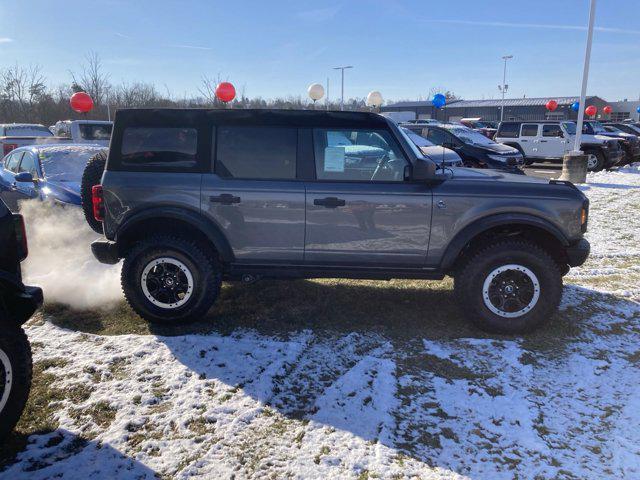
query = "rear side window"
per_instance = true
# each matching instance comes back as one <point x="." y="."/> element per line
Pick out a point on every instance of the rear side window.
<point x="529" y="130"/>
<point x="96" y="131"/>
<point x="509" y="130"/>
<point x="437" y="136"/>
<point x="256" y="152"/>
<point x="551" y="131"/>
<point x="159" y="147"/>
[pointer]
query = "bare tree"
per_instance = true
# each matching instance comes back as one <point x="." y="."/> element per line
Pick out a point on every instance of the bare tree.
<point x="448" y="94"/>
<point x="92" y="79"/>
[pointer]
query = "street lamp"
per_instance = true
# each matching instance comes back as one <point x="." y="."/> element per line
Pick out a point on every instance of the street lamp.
<point x="342" y="69"/>
<point x="504" y="87"/>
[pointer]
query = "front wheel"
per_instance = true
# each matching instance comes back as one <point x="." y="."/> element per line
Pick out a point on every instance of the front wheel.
<point x="15" y="375"/>
<point x="510" y="287"/>
<point x="170" y="280"/>
<point x="595" y="160"/>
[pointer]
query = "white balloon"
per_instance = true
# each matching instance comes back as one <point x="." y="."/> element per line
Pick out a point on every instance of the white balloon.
<point x="374" y="99"/>
<point x="316" y="91"/>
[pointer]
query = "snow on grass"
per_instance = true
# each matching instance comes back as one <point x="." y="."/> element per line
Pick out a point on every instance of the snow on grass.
<point x="368" y="403"/>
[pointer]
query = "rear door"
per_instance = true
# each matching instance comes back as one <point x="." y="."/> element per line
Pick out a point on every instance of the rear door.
<point x="360" y="209"/>
<point x="253" y="193"/>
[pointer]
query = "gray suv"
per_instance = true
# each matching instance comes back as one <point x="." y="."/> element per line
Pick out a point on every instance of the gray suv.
<point x="190" y="198"/>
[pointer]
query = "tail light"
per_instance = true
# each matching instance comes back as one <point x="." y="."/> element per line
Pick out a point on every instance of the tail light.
<point x="7" y="147"/>
<point x="97" y="201"/>
<point x="21" y="237"/>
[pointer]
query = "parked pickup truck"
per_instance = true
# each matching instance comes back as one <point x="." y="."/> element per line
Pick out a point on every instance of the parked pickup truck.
<point x="629" y="142"/>
<point x="549" y="141"/>
<point x="95" y="132"/>
<point x="190" y="198"/>
<point x="14" y="135"/>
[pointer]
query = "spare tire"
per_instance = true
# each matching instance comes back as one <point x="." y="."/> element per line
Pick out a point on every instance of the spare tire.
<point x="92" y="176"/>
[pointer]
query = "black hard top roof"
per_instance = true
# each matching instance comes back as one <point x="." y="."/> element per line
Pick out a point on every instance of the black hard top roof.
<point x="201" y="116"/>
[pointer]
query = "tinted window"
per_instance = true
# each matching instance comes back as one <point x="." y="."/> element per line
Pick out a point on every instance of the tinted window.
<point x="509" y="130"/>
<point x="437" y="136"/>
<point x="256" y="152"/>
<point x="95" y="131"/>
<point x="12" y="161"/>
<point x="529" y="130"/>
<point x="159" y="147"/>
<point x="28" y="164"/>
<point x="357" y="155"/>
<point x="551" y="131"/>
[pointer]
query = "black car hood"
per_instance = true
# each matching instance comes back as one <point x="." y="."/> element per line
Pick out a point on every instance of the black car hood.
<point x="498" y="148"/>
<point x="487" y="174"/>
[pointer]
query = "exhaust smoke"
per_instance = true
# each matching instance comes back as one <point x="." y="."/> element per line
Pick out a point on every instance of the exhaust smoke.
<point x="60" y="259"/>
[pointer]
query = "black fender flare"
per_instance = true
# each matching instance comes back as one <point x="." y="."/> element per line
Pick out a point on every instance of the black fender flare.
<point x="464" y="236"/>
<point x="195" y="219"/>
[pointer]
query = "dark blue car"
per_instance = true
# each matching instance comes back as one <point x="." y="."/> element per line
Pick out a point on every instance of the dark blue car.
<point x="47" y="172"/>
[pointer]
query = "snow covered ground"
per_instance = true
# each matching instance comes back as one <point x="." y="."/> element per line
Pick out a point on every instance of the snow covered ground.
<point x="366" y="403"/>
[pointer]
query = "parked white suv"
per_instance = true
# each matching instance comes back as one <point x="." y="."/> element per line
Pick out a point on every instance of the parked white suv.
<point x="96" y="132"/>
<point x="549" y="141"/>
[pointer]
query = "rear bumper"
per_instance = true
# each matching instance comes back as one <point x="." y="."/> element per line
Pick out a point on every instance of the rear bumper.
<point x="578" y="252"/>
<point x="21" y="304"/>
<point x="105" y="251"/>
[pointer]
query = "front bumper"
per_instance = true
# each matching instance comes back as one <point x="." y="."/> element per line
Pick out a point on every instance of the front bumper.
<point x="614" y="157"/>
<point x="105" y="251"/>
<point x="578" y="252"/>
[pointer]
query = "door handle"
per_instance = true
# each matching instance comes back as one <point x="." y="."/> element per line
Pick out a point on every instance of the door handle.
<point x="224" y="199"/>
<point x="543" y="141"/>
<point x="329" y="202"/>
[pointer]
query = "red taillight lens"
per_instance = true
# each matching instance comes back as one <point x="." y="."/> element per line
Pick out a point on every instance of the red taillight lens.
<point x="98" y="202"/>
<point x="21" y="237"/>
<point x="7" y="147"/>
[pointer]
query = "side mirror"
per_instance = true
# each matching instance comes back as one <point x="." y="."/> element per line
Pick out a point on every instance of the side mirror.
<point x="24" y="177"/>
<point x="423" y="170"/>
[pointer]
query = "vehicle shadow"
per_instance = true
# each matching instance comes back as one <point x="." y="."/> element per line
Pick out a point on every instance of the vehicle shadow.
<point x="63" y="454"/>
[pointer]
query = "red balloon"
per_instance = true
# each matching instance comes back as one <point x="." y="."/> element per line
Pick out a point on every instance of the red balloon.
<point x="551" y="105"/>
<point x="607" y="109"/>
<point x="591" y="110"/>
<point x="225" y="91"/>
<point x="81" y="102"/>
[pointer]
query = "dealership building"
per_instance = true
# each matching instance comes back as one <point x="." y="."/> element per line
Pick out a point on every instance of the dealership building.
<point x="514" y="109"/>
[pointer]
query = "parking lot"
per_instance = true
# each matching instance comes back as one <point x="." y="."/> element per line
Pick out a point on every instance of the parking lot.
<point x="350" y="379"/>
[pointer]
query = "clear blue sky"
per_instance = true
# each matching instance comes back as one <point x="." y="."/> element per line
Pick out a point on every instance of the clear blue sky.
<point x="277" y="48"/>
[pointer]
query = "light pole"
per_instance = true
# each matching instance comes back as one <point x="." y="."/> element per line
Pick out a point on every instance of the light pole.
<point x="585" y="77"/>
<point x="504" y="87"/>
<point x="342" y="69"/>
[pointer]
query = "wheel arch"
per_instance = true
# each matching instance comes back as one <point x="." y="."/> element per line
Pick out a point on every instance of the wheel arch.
<point x="173" y="220"/>
<point x="487" y="229"/>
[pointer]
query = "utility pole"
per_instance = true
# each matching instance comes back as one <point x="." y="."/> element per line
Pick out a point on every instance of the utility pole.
<point x="504" y="87"/>
<point x="342" y="69"/>
<point x="585" y="77"/>
<point x="327" y="99"/>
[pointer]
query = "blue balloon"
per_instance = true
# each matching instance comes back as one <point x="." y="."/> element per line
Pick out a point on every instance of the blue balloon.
<point x="638" y="109"/>
<point x="575" y="106"/>
<point x="439" y="100"/>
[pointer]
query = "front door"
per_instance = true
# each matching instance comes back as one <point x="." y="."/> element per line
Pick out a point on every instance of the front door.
<point x="8" y="186"/>
<point x="552" y="143"/>
<point x="253" y="194"/>
<point x="360" y="209"/>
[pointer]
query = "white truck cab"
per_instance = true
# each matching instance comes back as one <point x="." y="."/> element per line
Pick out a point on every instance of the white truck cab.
<point x="95" y="132"/>
<point x="549" y="141"/>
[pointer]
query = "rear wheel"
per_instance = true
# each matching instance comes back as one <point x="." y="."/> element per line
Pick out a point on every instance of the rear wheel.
<point x="171" y="280"/>
<point x="511" y="286"/>
<point x="91" y="176"/>
<point x="15" y="375"/>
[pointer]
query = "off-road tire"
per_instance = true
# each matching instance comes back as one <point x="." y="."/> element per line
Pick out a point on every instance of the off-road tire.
<point x="470" y="278"/>
<point x="599" y="155"/>
<point x="15" y="345"/>
<point x="91" y="176"/>
<point x="203" y="265"/>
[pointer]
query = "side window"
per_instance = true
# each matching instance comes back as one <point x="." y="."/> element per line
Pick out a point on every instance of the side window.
<point x="437" y="136"/>
<point x="256" y="152"/>
<point x="159" y="147"/>
<point x="357" y="155"/>
<point x="508" y="130"/>
<point x="529" y="130"/>
<point x="551" y="131"/>
<point x="28" y="164"/>
<point x="12" y="162"/>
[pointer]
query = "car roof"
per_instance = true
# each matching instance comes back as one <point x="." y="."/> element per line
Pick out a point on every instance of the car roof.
<point x="59" y="147"/>
<point x="101" y="122"/>
<point x="196" y="116"/>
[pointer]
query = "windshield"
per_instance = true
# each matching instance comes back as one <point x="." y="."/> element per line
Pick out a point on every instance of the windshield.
<point x="417" y="139"/>
<point x="65" y="164"/>
<point x="570" y="127"/>
<point x="95" y="131"/>
<point x="597" y="127"/>
<point x="28" y="131"/>
<point x="471" y="137"/>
